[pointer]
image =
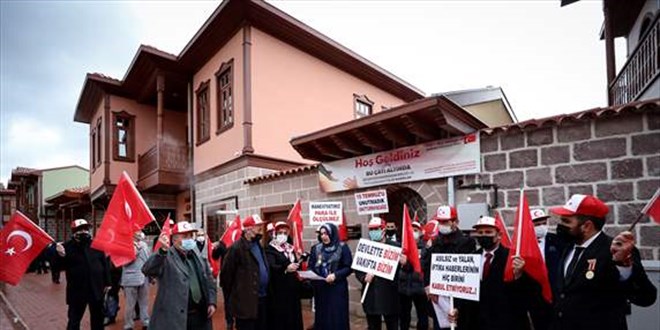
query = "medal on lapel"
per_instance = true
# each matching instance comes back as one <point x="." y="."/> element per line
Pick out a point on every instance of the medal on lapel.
<point x="590" y="272"/>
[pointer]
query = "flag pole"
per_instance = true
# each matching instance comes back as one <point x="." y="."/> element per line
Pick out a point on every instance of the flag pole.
<point x="651" y="201"/>
<point x="632" y="225"/>
<point x="520" y="218"/>
<point x="364" y="294"/>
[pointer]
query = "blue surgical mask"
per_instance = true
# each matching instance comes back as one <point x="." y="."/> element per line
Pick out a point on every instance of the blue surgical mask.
<point x="376" y="235"/>
<point x="188" y="244"/>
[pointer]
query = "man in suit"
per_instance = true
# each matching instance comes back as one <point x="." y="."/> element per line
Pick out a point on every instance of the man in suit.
<point x="186" y="297"/>
<point x="87" y="276"/>
<point x="551" y="248"/>
<point x="597" y="274"/>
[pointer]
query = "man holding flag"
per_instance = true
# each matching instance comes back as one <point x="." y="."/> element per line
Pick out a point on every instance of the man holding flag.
<point x="598" y="274"/>
<point x="87" y="276"/>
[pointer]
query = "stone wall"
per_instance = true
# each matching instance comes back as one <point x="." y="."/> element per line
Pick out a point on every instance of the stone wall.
<point x="615" y="157"/>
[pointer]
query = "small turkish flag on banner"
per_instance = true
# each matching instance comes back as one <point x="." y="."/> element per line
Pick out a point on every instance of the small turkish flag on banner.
<point x="409" y="245"/>
<point x="652" y="209"/>
<point x="20" y="242"/>
<point x="233" y="232"/>
<point x="295" y="219"/>
<point x="126" y="214"/>
<point x="526" y="246"/>
<point x="166" y="230"/>
<point x="506" y="240"/>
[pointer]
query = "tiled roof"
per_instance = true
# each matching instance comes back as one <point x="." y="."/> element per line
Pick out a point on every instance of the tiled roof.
<point x="103" y="76"/>
<point x="640" y="106"/>
<point x="25" y="171"/>
<point x="274" y="175"/>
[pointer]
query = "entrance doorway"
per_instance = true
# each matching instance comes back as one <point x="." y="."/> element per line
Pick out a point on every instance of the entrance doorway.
<point x="396" y="197"/>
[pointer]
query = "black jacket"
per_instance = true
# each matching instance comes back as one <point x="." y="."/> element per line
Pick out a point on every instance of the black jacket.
<point x="456" y="242"/>
<point x="540" y="310"/>
<point x="383" y="295"/>
<point x="285" y="310"/>
<point x="410" y="282"/>
<point x="599" y="302"/>
<point x="87" y="272"/>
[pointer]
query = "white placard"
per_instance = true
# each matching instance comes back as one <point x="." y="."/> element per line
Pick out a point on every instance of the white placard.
<point x="371" y="202"/>
<point x="376" y="258"/>
<point x="324" y="212"/>
<point x="432" y="160"/>
<point x="456" y="275"/>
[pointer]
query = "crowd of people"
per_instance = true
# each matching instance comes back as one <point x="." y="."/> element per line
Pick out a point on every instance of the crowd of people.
<point x="593" y="277"/>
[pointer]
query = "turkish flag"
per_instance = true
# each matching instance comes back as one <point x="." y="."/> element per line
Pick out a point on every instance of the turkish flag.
<point x="166" y="230"/>
<point x="506" y="240"/>
<point x="408" y="244"/>
<point x="295" y="219"/>
<point x="343" y="230"/>
<point x="215" y="264"/>
<point x="21" y="241"/>
<point x="233" y="232"/>
<point x="652" y="209"/>
<point x="126" y="214"/>
<point x="526" y="246"/>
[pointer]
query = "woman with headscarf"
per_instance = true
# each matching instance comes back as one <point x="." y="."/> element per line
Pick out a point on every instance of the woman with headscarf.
<point x="285" y="311"/>
<point x="331" y="259"/>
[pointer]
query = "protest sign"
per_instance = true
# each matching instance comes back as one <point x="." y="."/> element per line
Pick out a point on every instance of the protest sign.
<point x="456" y="275"/>
<point x="376" y="258"/>
<point x="324" y="212"/>
<point x="371" y="202"/>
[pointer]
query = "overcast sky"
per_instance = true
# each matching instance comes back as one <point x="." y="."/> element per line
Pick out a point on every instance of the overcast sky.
<point x="549" y="60"/>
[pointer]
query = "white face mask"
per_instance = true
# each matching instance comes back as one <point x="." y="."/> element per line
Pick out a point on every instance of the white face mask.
<point x="281" y="238"/>
<point x="541" y="231"/>
<point x="200" y="239"/>
<point x="444" y="229"/>
<point x="416" y="235"/>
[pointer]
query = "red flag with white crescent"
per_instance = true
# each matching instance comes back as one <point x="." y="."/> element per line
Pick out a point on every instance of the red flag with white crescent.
<point x="21" y="241"/>
<point x="165" y="231"/>
<point x="233" y="232"/>
<point x="295" y="219"/>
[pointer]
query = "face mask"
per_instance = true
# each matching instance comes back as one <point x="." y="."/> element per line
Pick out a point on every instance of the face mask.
<point x="416" y="235"/>
<point x="83" y="237"/>
<point x="141" y="236"/>
<point x="445" y="229"/>
<point x="486" y="242"/>
<point x="541" y="231"/>
<point x="188" y="244"/>
<point x="376" y="235"/>
<point x="564" y="233"/>
<point x="258" y="237"/>
<point x="200" y="239"/>
<point x="390" y="232"/>
<point x="281" y="238"/>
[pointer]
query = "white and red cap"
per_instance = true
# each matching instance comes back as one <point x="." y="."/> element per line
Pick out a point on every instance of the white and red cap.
<point x="539" y="214"/>
<point x="485" y="221"/>
<point x="417" y="225"/>
<point x="252" y="220"/>
<point x="376" y="222"/>
<point x="582" y="205"/>
<point x="445" y="213"/>
<point x="183" y="227"/>
<point x="270" y="227"/>
<point x="78" y="223"/>
<point x="431" y="229"/>
<point x="281" y="224"/>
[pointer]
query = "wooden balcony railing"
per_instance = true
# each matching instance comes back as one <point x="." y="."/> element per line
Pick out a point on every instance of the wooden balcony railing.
<point x="163" y="167"/>
<point x="641" y="69"/>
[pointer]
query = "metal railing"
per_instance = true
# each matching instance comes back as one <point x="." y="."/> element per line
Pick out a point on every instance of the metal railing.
<point x="641" y="69"/>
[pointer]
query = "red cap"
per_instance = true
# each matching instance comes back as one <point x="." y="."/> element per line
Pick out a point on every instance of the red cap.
<point x="183" y="227"/>
<point x="281" y="224"/>
<point x="582" y="205"/>
<point x="376" y="222"/>
<point x="252" y="220"/>
<point x="417" y="225"/>
<point x="445" y="213"/>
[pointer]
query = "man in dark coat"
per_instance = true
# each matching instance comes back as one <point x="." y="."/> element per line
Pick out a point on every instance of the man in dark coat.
<point x="285" y="311"/>
<point x="449" y="240"/>
<point x="501" y="304"/>
<point x="551" y="248"/>
<point x="382" y="298"/>
<point x="411" y="288"/>
<point x="218" y="253"/>
<point x="598" y="275"/>
<point x="87" y="276"/>
<point x="245" y="277"/>
<point x="186" y="297"/>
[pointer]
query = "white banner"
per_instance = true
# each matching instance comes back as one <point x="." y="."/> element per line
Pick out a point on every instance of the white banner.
<point x="432" y="160"/>
<point x="456" y="275"/>
<point x="376" y="258"/>
<point x="323" y="212"/>
<point x="371" y="202"/>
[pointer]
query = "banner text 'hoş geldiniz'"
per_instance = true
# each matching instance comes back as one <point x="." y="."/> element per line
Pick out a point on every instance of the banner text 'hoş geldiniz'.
<point x="21" y="241"/>
<point x="127" y="213"/>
